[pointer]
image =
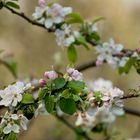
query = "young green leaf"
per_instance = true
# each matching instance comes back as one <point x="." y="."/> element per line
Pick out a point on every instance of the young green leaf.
<point x="58" y="83"/>
<point x="82" y="41"/>
<point x="13" y="5"/>
<point x="97" y="19"/>
<point x="72" y="54"/>
<point x="42" y="93"/>
<point x="11" y="136"/>
<point x="74" y="18"/>
<point x="68" y="106"/>
<point x="128" y="65"/>
<point x="27" y="99"/>
<point x="49" y="103"/>
<point x="78" y="86"/>
<point x="65" y="94"/>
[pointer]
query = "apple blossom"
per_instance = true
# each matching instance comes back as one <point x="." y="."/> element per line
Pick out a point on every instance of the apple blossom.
<point x="12" y="94"/>
<point x="13" y="123"/>
<point x="50" y="75"/>
<point x="74" y="75"/>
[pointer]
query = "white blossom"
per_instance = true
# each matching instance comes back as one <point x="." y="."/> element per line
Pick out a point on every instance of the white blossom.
<point x="51" y="15"/>
<point x="56" y="14"/>
<point x="106" y="52"/>
<point x="13" y="123"/>
<point x="65" y="36"/>
<point x="12" y="94"/>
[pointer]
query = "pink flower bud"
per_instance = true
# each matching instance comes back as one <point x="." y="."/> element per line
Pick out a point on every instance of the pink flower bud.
<point x="99" y="62"/>
<point x="41" y="3"/>
<point x="42" y="82"/>
<point x="74" y="75"/>
<point x="138" y="50"/>
<point x="50" y="75"/>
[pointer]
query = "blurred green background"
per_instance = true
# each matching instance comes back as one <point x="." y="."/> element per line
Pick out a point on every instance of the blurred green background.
<point x="34" y="50"/>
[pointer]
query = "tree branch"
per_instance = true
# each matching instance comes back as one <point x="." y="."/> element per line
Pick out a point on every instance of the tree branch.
<point x="22" y="15"/>
<point x="86" y="65"/>
<point x="132" y="111"/>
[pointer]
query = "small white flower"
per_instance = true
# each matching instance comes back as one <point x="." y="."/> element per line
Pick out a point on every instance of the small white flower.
<point x="13" y="123"/>
<point x="65" y="36"/>
<point x="12" y="94"/>
<point x="106" y="52"/>
<point x="11" y="128"/>
<point x="52" y="15"/>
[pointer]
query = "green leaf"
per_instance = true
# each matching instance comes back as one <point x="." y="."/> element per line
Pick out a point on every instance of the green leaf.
<point x="78" y="86"/>
<point x="95" y="36"/>
<point x="65" y="94"/>
<point x="27" y="99"/>
<point x="13" y="5"/>
<point x="97" y="95"/>
<point x="82" y="41"/>
<point x="128" y="65"/>
<point x="42" y="93"/>
<point x="11" y="65"/>
<point x="97" y="19"/>
<point x="58" y="83"/>
<point x="68" y="106"/>
<point x="11" y="136"/>
<point x="76" y="97"/>
<point x="72" y="54"/>
<point x="49" y="103"/>
<point x="74" y="18"/>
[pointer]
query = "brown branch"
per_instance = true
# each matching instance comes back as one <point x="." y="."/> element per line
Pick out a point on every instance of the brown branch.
<point x="86" y="65"/>
<point x="130" y="96"/>
<point x="22" y="15"/>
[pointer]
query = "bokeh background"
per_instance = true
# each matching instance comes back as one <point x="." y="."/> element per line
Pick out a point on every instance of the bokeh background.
<point x="35" y="49"/>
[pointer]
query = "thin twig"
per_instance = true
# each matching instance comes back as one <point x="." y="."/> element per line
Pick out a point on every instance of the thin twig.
<point x="22" y="15"/>
<point x="86" y="65"/>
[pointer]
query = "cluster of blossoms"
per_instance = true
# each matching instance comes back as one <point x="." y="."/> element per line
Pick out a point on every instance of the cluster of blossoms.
<point x="105" y="105"/>
<point x="51" y="16"/>
<point x="13" y="123"/>
<point x="109" y="52"/>
<point x="12" y="94"/>
<point x="71" y="74"/>
<point x="10" y="97"/>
